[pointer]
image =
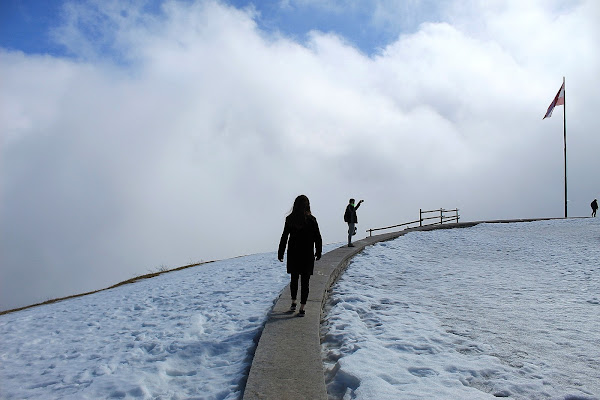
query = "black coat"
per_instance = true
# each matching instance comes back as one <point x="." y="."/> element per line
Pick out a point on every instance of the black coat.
<point x="304" y="240"/>
<point x="350" y="214"/>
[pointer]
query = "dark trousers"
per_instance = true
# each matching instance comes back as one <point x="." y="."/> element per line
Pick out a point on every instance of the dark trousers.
<point x="351" y="231"/>
<point x="304" y="281"/>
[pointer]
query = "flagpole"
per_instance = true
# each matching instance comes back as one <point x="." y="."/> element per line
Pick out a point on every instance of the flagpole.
<point x="565" y="140"/>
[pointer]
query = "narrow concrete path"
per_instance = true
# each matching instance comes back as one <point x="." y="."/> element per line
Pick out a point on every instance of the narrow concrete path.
<point x="287" y="364"/>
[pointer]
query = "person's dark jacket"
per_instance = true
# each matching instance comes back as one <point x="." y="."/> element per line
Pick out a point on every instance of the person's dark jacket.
<point x="304" y="239"/>
<point x="350" y="214"/>
<point x="594" y="205"/>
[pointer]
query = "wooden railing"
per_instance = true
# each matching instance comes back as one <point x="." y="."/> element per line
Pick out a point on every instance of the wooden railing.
<point x="441" y="217"/>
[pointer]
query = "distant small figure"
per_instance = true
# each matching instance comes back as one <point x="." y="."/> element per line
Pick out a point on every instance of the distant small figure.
<point x="351" y="218"/>
<point x="594" y="207"/>
<point x="303" y="231"/>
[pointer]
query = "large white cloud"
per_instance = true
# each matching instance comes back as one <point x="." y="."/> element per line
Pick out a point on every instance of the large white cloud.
<point x="192" y="139"/>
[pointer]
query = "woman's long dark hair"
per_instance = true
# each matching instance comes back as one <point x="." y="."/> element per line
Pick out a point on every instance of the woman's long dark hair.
<point x="300" y="211"/>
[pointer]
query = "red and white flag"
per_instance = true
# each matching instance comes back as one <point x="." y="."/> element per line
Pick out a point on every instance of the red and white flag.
<point x="559" y="100"/>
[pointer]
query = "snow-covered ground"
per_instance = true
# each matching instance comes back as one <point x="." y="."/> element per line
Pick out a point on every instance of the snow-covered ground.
<point x="182" y="335"/>
<point x="497" y="310"/>
<point x="508" y="310"/>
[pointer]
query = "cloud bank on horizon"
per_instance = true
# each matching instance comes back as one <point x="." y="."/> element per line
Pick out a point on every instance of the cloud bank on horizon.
<point x="165" y="133"/>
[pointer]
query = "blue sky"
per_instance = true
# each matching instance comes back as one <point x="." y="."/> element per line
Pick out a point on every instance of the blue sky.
<point x="25" y="25"/>
<point x="136" y="135"/>
<point x="28" y="25"/>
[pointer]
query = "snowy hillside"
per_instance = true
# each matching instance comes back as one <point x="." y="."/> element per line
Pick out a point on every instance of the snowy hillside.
<point x="494" y="310"/>
<point x="508" y="310"/>
<point x="181" y="335"/>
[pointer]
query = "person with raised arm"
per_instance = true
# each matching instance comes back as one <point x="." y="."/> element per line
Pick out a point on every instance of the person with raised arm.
<point x="351" y="218"/>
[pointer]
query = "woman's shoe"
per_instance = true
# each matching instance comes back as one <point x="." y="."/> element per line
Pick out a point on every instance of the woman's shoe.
<point x="293" y="307"/>
<point x="301" y="313"/>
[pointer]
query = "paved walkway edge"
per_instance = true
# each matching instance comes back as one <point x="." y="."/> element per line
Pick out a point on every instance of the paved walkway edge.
<point x="287" y="363"/>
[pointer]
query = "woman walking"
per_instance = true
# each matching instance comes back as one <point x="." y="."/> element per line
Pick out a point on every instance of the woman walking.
<point x="305" y="244"/>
